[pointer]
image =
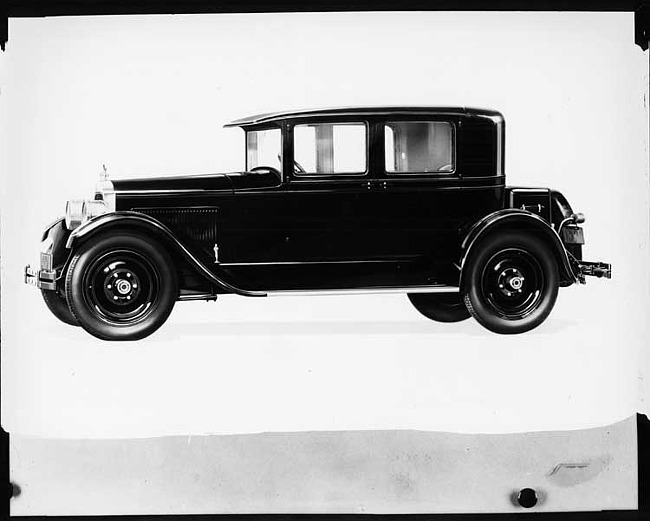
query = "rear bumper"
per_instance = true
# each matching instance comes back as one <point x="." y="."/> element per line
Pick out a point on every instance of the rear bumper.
<point x="42" y="279"/>
<point x="593" y="269"/>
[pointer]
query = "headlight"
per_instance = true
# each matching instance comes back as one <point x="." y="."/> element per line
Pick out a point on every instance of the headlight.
<point x="74" y="214"/>
<point x="78" y="212"/>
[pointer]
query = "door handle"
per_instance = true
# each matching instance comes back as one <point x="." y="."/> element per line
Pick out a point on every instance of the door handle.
<point x="383" y="185"/>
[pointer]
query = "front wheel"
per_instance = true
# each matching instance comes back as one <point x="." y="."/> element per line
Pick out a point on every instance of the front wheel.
<point x="121" y="287"/>
<point x="511" y="283"/>
<point x="441" y="307"/>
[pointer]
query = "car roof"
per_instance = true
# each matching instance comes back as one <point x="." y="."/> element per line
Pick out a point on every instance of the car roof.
<point x="273" y="117"/>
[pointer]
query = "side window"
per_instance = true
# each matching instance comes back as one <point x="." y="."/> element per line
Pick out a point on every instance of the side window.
<point x="264" y="148"/>
<point x="329" y="148"/>
<point x="419" y="147"/>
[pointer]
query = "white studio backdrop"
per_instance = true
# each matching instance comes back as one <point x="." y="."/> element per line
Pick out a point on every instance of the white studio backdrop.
<point x="148" y="95"/>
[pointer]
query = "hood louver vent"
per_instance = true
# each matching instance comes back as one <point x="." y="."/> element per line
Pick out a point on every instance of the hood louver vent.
<point x="192" y="224"/>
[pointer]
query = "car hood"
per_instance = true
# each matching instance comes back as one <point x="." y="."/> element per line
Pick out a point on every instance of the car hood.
<point x="180" y="183"/>
<point x="202" y="182"/>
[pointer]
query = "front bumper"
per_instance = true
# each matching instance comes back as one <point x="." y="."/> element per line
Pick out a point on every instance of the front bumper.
<point x="52" y="255"/>
<point x="42" y="279"/>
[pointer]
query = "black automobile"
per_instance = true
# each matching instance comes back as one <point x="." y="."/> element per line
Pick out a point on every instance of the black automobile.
<point x="353" y="200"/>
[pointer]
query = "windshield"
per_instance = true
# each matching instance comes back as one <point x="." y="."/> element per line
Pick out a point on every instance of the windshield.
<point x="264" y="148"/>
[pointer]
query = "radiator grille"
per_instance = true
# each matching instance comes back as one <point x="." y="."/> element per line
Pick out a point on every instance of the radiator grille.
<point x="194" y="224"/>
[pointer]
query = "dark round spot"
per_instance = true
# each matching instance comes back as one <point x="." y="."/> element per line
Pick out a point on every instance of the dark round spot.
<point x="527" y="497"/>
<point x="14" y="490"/>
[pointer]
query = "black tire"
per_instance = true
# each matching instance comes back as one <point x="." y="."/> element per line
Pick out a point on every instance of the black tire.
<point x="441" y="307"/>
<point x="59" y="307"/>
<point x="511" y="282"/>
<point x="122" y="286"/>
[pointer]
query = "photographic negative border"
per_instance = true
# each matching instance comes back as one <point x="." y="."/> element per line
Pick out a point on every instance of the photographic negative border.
<point x="641" y="37"/>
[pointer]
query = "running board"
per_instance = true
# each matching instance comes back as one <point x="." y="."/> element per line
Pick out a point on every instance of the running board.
<point x="439" y="288"/>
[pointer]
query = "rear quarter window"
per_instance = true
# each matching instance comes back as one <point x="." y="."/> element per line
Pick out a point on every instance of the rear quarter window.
<point x="419" y="147"/>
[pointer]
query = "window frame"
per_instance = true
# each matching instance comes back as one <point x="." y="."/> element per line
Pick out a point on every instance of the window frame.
<point x="344" y="175"/>
<point x="262" y="129"/>
<point x="454" y="149"/>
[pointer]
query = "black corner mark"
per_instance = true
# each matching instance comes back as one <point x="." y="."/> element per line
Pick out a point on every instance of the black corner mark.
<point x="14" y="490"/>
<point x="643" y="461"/>
<point x="4" y="27"/>
<point x="642" y="26"/>
<point x="4" y="474"/>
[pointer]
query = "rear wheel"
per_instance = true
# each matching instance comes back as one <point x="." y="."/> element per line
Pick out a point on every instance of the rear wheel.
<point x="59" y="307"/>
<point x="441" y="307"/>
<point x="511" y="282"/>
<point x="121" y="287"/>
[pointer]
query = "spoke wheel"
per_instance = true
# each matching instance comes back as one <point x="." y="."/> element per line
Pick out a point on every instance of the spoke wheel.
<point x="121" y="287"/>
<point x="510" y="282"/>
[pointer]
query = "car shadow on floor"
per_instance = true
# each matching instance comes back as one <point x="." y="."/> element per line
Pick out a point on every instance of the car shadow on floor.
<point x="171" y="332"/>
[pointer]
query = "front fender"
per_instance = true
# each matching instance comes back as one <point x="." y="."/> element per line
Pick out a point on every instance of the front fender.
<point x="517" y="219"/>
<point x="139" y="221"/>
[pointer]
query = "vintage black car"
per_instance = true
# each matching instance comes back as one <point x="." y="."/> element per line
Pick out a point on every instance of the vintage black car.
<point x="353" y="200"/>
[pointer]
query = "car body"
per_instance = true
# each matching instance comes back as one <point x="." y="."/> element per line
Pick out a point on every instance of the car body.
<point x="347" y="200"/>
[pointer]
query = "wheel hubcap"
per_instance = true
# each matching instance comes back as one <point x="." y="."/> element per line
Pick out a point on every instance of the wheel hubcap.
<point x="121" y="284"/>
<point x="513" y="283"/>
<point x="510" y="281"/>
<point x="121" y="287"/>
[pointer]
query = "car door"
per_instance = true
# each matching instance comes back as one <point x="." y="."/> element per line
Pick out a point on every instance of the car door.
<point x="421" y="203"/>
<point x="253" y="221"/>
<point x="329" y="180"/>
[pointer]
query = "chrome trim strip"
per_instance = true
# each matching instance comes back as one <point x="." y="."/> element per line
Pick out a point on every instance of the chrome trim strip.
<point x="499" y="128"/>
<point x="293" y="263"/>
<point x="144" y="209"/>
<point x="561" y="225"/>
<point x="325" y="292"/>
<point x="364" y="291"/>
<point x="175" y="191"/>
<point x="335" y="112"/>
<point x="378" y="181"/>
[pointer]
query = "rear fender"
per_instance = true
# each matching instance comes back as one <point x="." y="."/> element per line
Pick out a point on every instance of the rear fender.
<point x="135" y="221"/>
<point x="517" y="219"/>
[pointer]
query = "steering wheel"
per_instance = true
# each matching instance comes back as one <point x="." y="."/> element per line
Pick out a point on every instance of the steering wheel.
<point x="266" y="169"/>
